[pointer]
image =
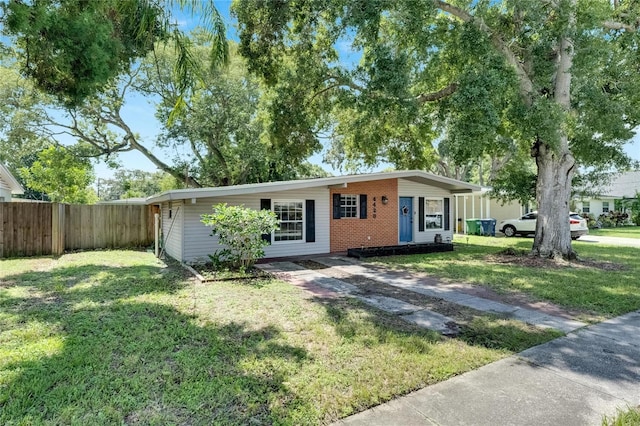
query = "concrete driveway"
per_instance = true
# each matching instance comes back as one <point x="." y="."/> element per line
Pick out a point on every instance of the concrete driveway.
<point x="610" y="241"/>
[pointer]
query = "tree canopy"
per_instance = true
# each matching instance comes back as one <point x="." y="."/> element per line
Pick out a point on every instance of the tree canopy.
<point x="218" y="135"/>
<point x="73" y="48"/>
<point x="61" y="175"/>
<point x="555" y="79"/>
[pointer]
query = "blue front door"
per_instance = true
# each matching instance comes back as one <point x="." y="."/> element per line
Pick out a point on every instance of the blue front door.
<point x="406" y="219"/>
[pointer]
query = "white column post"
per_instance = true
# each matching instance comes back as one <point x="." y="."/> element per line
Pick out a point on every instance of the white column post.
<point x="156" y="233"/>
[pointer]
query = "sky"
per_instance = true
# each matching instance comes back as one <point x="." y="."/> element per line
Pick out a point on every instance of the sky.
<point x="140" y="112"/>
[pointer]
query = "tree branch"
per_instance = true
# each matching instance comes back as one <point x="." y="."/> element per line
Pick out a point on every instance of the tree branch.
<point x="526" y="85"/>
<point x="435" y="96"/>
<point x="612" y="25"/>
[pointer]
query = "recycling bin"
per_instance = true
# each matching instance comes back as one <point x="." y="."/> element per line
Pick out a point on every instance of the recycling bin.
<point x="488" y="227"/>
<point x="474" y="226"/>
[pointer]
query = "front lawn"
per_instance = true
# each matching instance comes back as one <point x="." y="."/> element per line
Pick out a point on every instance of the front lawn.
<point x="604" y="292"/>
<point x="623" y="231"/>
<point x="116" y="337"/>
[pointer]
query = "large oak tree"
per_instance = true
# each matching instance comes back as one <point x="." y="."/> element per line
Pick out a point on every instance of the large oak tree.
<point x="559" y="77"/>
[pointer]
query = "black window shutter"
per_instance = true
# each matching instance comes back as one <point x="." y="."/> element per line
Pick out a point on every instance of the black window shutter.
<point x="310" y="220"/>
<point x="447" y="215"/>
<point x="336" y="206"/>
<point x="265" y="204"/>
<point x="363" y="206"/>
<point x="421" y="217"/>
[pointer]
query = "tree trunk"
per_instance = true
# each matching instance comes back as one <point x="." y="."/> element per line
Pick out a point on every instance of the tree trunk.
<point x="553" y="192"/>
<point x="556" y="166"/>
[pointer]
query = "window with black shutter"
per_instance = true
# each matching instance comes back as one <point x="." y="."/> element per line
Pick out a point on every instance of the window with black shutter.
<point x="265" y="204"/>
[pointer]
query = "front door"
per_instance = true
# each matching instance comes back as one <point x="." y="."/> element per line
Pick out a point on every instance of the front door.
<point x="406" y="219"/>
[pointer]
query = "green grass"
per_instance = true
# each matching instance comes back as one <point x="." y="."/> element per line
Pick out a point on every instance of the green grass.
<point x="625" y="232"/>
<point x="605" y="293"/>
<point x="117" y="337"/>
<point x="628" y="417"/>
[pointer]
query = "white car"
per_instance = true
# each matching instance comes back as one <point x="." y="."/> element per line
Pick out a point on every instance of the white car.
<point x="526" y="225"/>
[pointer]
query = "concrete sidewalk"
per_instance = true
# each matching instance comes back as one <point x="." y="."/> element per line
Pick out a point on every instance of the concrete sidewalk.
<point x="573" y="380"/>
<point x="610" y="241"/>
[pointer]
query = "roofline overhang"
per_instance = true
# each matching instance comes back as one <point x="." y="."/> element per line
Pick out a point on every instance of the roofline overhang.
<point x="14" y="185"/>
<point x="455" y="186"/>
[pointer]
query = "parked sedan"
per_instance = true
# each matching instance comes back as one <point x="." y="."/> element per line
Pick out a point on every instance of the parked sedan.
<point x="526" y="225"/>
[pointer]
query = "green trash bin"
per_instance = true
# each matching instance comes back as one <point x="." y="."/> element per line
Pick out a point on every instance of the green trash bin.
<point x="474" y="226"/>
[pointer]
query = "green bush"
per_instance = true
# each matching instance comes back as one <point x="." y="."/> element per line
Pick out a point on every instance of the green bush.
<point x="239" y="231"/>
<point x="591" y="220"/>
<point x="612" y="219"/>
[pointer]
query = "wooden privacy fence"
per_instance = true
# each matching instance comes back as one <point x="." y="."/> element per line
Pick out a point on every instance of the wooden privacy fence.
<point x="32" y="229"/>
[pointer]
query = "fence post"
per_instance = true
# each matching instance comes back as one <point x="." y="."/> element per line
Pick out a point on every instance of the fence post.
<point x="57" y="229"/>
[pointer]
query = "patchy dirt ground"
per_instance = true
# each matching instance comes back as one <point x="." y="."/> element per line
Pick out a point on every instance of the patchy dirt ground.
<point x="451" y="309"/>
<point x="310" y="264"/>
<point x="522" y="258"/>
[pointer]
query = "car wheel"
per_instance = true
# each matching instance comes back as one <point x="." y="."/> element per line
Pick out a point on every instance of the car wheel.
<point x="509" y="231"/>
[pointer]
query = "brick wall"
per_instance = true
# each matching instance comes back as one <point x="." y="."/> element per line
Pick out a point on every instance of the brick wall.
<point x="381" y="230"/>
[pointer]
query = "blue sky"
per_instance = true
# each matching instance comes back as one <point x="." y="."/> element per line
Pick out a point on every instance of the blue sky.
<point x="140" y="113"/>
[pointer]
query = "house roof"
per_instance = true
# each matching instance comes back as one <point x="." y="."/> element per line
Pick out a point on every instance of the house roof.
<point x="9" y="182"/>
<point x="625" y="185"/>
<point x="134" y="201"/>
<point x="453" y="185"/>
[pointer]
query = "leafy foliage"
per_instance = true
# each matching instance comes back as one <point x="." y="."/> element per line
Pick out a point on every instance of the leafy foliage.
<point x="633" y="204"/>
<point x="61" y="175"/>
<point x="240" y="230"/>
<point x="217" y="135"/>
<point x="220" y="124"/>
<point x="613" y="219"/>
<point x="134" y="184"/>
<point x="72" y="48"/>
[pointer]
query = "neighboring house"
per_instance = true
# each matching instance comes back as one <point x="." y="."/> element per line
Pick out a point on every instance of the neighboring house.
<point x="8" y="185"/>
<point x="321" y="215"/>
<point x="625" y="185"/>
<point x="479" y="205"/>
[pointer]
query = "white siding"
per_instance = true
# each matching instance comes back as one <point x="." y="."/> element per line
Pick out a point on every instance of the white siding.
<point x="407" y="188"/>
<point x="595" y="206"/>
<point x="172" y="228"/>
<point x="5" y="191"/>
<point x="5" y="195"/>
<point x="198" y="243"/>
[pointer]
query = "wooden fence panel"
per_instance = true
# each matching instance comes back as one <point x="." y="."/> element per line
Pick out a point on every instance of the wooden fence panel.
<point x="25" y="229"/>
<point x="31" y="229"/>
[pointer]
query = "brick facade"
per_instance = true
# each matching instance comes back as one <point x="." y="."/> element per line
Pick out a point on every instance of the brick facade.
<point x="380" y="228"/>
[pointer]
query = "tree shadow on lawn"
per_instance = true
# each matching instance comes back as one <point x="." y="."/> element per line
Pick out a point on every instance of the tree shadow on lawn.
<point x="492" y="333"/>
<point x="483" y="330"/>
<point x="116" y="359"/>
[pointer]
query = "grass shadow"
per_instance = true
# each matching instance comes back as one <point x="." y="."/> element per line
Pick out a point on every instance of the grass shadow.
<point x="92" y="351"/>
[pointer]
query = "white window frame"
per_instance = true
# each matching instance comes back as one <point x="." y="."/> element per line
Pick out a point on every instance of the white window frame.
<point x="356" y="197"/>
<point x="607" y="207"/>
<point x="442" y="215"/>
<point x="273" y="234"/>
<point x="587" y="205"/>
